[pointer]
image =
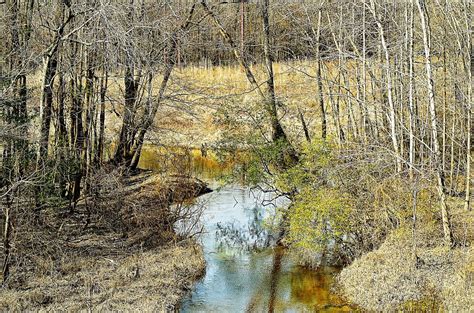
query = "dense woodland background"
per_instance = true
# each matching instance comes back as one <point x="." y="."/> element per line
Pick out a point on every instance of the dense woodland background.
<point x="358" y="111"/>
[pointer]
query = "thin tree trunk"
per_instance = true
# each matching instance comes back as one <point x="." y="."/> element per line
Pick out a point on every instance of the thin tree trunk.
<point x="434" y="127"/>
<point x="6" y="240"/>
<point x="303" y="123"/>
<point x="411" y="108"/>
<point x="322" y="110"/>
<point x="469" y="64"/>
<point x="50" y="66"/>
<point x="278" y="133"/>
<point x="103" y="91"/>
<point x="364" y="73"/>
<point x="150" y="113"/>
<point x="269" y="100"/>
<point x="388" y="74"/>
<point x="77" y="134"/>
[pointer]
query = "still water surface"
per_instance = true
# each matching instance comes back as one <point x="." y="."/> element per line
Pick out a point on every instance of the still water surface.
<point x="244" y="273"/>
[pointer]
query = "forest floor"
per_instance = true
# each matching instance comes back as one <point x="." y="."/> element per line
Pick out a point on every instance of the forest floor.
<point x="121" y="255"/>
<point x="393" y="277"/>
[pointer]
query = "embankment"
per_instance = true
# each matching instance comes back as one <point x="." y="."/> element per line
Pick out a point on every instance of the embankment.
<point x="416" y="274"/>
<point x="116" y="252"/>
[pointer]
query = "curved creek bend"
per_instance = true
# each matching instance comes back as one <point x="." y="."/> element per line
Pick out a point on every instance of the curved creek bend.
<point x="243" y="274"/>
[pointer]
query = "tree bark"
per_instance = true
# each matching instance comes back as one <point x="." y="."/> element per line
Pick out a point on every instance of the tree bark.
<point x="434" y="125"/>
<point x="388" y="74"/>
<point x="322" y="110"/>
<point x="271" y="102"/>
<point x="469" y="65"/>
<point x="411" y="90"/>
<point x="267" y="97"/>
<point x="50" y="66"/>
<point x="152" y="108"/>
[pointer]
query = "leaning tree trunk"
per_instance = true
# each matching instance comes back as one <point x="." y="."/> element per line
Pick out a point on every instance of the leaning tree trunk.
<point x="271" y="101"/>
<point x="152" y="108"/>
<point x="267" y="97"/>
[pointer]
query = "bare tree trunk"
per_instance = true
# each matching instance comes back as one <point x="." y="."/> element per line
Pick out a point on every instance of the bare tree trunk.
<point x="17" y="159"/>
<point x="445" y="88"/>
<point x="388" y="74"/>
<point x="77" y="133"/>
<point x="322" y="110"/>
<point x="89" y="91"/>
<point x="434" y="127"/>
<point x="469" y="65"/>
<point x="151" y="109"/>
<point x="6" y="240"/>
<point x="242" y="27"/>
<point x="278" y="133"/>
<point x="103" y="91"/>
<point x="122" y="152"/>
<point x="335" y="101"/>
<point x="366" y="119"/>
<point x="61" y="119"/>
<point x="303" y="123"/>
<point x="149" y="115"/>
<point x="411" y="108"/>
<point x="267" y="97"/>
<point x="50" y="66"/>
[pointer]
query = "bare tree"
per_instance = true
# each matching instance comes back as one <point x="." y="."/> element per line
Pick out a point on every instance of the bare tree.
<point x="388" y="76"/>
<point x="434" y="123"/>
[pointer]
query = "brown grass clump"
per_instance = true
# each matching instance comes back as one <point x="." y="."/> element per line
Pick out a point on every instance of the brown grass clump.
<point x="393" y="277"/>
<point x="154" y="280"/>
<point x="117" y="250"/>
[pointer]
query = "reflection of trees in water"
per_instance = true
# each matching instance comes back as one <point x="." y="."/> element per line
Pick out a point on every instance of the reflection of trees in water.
<point x="312" y="287"/>
<point x="251" y="236"/>
<point x="309" y="289"/>
<point x="274" y="277"/>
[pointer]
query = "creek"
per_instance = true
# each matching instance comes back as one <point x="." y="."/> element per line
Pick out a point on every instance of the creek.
<point x="244" y="273"/>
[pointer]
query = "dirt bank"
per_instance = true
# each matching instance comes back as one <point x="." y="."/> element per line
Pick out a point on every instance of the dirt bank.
<point x="115" y="252"/>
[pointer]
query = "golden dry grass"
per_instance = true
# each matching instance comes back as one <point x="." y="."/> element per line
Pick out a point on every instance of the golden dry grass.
<point x="197" y="92"/>
<point x="390" y="279"/>
<point x="150" y="281"/>
<point x="128" y="258"/>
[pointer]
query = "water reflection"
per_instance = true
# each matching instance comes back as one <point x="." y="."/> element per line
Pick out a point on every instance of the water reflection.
<point x="244" y="273"/>
<point x="183" y="160"/>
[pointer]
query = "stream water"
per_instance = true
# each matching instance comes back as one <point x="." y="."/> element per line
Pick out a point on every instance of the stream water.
<point x="244" y="273"/>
